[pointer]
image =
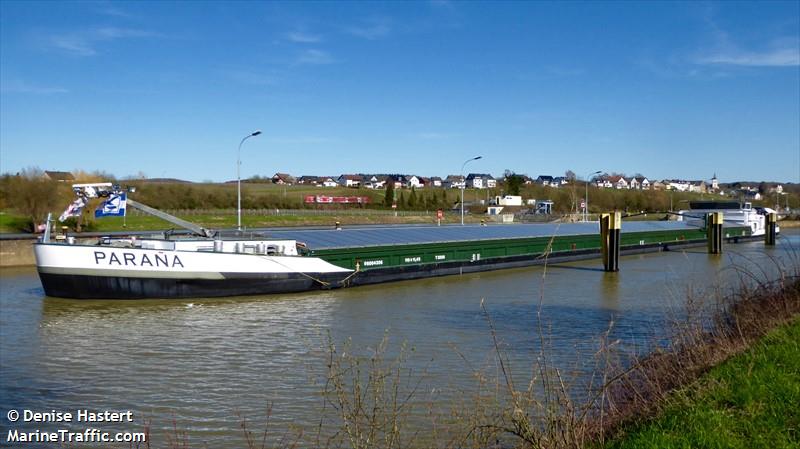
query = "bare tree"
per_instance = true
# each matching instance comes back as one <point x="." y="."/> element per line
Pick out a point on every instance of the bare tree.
<point x="31" y="194"/>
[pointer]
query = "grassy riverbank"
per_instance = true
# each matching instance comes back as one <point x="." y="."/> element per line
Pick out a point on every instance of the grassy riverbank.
<point x="12" y="223"/>
<point x="749" y="401"/>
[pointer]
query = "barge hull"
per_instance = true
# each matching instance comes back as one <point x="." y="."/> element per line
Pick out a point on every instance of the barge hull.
<point x="81" y="286"/>
<point x="86" y="286"/>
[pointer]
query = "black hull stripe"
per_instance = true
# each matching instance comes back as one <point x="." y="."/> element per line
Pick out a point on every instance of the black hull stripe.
<point x="108" y="287"/>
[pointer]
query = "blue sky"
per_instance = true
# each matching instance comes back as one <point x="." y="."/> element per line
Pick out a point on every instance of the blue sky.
<point x="676" y="89"/>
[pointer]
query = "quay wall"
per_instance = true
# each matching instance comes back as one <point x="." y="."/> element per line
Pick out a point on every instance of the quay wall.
<point x="15" y="253"/>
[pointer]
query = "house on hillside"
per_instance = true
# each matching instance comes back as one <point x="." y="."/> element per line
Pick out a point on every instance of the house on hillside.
<point x="544" y="180"/>
<point x="453" y="182"/>
<point x="60" y="176"/>
<point x="328" y="181"/>
<point x="435" y="181"/>
<point x="677" y="184"/>
<point x="397" y="181"/>
<point x="283" y="178"/>
<point x="619" y="182"/>
<point x="642" y="182"/>
<point x="698" y="186"/>
<point x="603" y="183"/>
<point x="350" y="180"/>
<point x="480" y="181"/>
<point x="633" y="184"/>
<point x="309" y="180"/>
<point x="375" y="181"/>
<point x="414" y="182"/>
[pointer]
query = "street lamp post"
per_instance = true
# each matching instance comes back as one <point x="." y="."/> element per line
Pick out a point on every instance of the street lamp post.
<point x="464" y="185"/>
<point x="239" y="180"/>
<point x="586" y="196"/>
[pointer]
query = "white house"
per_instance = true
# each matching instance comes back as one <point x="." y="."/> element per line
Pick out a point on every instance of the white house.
<point x="436" y="181"/>
<point x="697" y="186"/>
<point x="454" y="182"/>
<point x="329" y="182"/>
<point x="475" y="180"/>
<point x="375" y="182"/>
<point x="414" y="181"/>
<point x="350" y="180"/>
<point x="680" y="186"/>
<point x="633" y="183"/>
<point x="508" y="200"/>
<point x="603" y="183"/>
<point x="619" y="182"/>
<point x="481" y="181"/>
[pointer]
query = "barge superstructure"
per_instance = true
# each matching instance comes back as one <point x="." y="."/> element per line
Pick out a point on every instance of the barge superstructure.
<point x="734" y="213"/>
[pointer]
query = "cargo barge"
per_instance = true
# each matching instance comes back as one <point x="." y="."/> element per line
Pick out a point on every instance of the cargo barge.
<point x="130" y="268"/>
<point x="211" y="265"/>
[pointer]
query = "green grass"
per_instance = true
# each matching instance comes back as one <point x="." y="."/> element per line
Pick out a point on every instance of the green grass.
<point x="13" y="223"/>
<point x="10" y="222"/>
<point x="749" y="401"/>
<point x="146" y="223"/>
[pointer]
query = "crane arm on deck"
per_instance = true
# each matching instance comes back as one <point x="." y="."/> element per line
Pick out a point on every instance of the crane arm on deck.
<point x="199" y="230"/>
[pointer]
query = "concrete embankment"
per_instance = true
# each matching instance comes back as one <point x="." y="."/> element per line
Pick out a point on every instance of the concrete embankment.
<point x="16" y="252"/>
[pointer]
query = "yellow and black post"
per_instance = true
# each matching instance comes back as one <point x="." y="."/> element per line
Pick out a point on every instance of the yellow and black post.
<point x="714" y="233"/>
<point x="610" y="227"/>
<point x="770" y="228"/>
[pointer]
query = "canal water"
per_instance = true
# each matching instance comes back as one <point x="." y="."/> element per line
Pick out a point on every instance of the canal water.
<point x="202" y="364"/>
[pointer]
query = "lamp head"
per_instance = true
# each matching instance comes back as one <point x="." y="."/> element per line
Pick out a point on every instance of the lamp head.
<point x="477" y="157"/>
<point x="255" y="133"/>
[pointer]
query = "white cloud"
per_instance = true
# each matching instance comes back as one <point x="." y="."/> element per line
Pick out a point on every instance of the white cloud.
<point x="113" y="11"/>
<point x="302" y="37"/>
<point x="84" y="43"/>
<point x="776" y="57"/>
<point x="724" y="50"/>
<point x="314" y="57"/>
<point x="21" y="87"/>
<point x="371" y="29"/>
<point x="73" y="44"/>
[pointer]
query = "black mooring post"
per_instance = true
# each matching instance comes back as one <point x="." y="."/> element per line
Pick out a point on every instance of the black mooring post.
<point x="714" y="232"/>
<point x="771" y="228"/>
<point x="610" y="228"/>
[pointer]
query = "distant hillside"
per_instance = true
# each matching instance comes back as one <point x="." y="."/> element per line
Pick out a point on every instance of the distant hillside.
<point x="165" y="181"/>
